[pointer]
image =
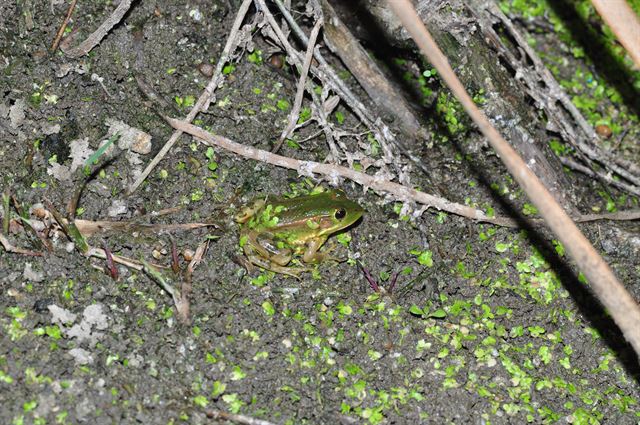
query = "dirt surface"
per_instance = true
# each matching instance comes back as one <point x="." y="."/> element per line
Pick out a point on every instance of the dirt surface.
<point x="485" y="325"/>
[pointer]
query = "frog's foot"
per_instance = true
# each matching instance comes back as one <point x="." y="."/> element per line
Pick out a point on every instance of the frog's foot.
<point x="277" y="268"/>
<point x="327" y="255"/>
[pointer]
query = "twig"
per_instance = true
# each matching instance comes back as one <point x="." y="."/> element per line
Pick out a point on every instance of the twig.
<point x="56" y="41"/>
<point x="308" y="168"/>
<point x="6" y="211"/>
<point x="608" y="289"/>
<point x="157" y="276"/>
<point x="603" y="177"/>
<point x="88" y="227"/>
<point x="615" y="216"/>
<point x="205" y="97"/>
<point x="297" y="103"/>
<point x="623" y="22"/>
<point x="69" y="228"/>
<point x="545" y="90"/>
<point x="9" y="247"/>
<point x="175" y="261"/>
<point x="94" y="39"/>
<point x="329" y="77"/>
<point x="239" y="419"/>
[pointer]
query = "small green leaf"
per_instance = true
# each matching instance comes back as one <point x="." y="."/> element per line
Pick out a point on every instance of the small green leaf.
<point x="415" y="310"/>
<point x="438" y="314"/>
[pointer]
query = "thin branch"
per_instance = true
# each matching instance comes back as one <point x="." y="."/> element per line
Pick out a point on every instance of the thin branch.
<point x="308" y="168"/>
<point x="56" y="41"/>
<point x="329" y="77"/>
<point x="297" y="103"/>
<point x="623" y="308"/>
<point x="603" y="177"/>
<point x="205" y="97"/>
<point x="9" y="247"/>
<point x="89" y="228"/>
<point x="544" y="88"/>
<point x="94" y="39"/>
<point x="239" y="419"/>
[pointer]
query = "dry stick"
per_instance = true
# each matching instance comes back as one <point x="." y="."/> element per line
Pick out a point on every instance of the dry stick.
<point x="88" y="227"/>
<point x="342" y="42"/>
<point x="204" y="97"/>
<point x="609" y="290"/>
<point x="56" y="41"/>
<point x="623" y="22"/>
<point x="239" y="419"/>
<point x="297" y="103"/>
<point x="604" y="177"/>
<point x="9" y="247"/>
<point x="125" y="261"/>
<point x="94" y="39"/>
<point x="185" y="291"/>
<point x="308" y="168"/>
<point x="615" y="216"/>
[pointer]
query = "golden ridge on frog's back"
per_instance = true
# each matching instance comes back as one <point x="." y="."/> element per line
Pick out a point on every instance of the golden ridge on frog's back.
<point x="275" y="229"/>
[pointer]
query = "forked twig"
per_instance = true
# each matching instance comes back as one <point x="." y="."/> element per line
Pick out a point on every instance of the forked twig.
<point x="623" y="308"/>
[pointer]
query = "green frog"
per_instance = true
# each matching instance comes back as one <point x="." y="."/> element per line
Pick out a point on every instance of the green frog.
<point x="274" y="229"/>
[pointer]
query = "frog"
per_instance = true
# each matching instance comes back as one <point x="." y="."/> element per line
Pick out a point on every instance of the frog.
<point x="275" y="229"/>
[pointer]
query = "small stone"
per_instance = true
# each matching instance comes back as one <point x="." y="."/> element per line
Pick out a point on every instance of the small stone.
<point x="61" y="316"/>
<point x="206" y="69"/>
<point x="32" y="275"/>
<point x="17" y="114"/>
<point x="603" y="131"/>
<point x="118" y="207"/>
<point x="131" y="138"/>
<point x="81" y="356"/>
<point x="187" y="254"/>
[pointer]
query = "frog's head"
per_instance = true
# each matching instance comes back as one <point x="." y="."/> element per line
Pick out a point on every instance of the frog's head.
<point x="340" y="212"/>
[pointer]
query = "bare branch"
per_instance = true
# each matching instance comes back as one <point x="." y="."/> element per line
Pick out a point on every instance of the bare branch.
<point x="308" y="168"/>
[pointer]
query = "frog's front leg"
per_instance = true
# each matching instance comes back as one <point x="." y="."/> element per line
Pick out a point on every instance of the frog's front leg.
<point x="312" y="253"/>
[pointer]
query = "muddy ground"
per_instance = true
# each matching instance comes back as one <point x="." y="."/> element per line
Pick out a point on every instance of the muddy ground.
<point x="485" y="325"/>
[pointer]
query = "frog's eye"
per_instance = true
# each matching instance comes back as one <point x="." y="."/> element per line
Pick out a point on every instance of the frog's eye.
<point x="340" y="214"/>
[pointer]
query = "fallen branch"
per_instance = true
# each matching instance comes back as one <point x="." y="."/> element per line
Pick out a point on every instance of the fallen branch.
<point x="88" y="228"/>
<point x="623" y="308"/>
<point x="9" y="247"/>
<point x="94" y="39"/>
<point x="308" y="168"/>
